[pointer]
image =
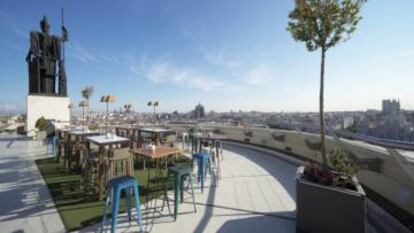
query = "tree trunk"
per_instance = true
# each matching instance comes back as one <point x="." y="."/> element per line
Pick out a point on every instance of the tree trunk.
<point x="83" y="117"/>
<point x="107" y="118"/>
<point x="322" y="124"/>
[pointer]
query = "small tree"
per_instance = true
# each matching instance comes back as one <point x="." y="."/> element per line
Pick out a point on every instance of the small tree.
<point x="321" y="24"/>
<point x="86" y="94"/>
<point x="41" y="123"/>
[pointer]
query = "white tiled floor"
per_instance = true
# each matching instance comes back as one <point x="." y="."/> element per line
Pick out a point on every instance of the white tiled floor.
<point x="256" y="194"/>
<point x="26" y="205"/>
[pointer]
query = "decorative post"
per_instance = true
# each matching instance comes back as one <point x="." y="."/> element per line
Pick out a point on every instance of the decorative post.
<point x="154" y="104"/>
<point x="83" y="104"/>
<point x="107" y="99"/>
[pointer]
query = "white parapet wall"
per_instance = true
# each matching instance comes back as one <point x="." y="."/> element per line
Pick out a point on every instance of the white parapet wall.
<point x="387" y="174"/>
<point x="50" y="107"/>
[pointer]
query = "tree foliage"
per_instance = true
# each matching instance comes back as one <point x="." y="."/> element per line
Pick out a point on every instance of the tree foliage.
<point x="87" y="92"/>
<point x="323" y="23"/>
<point x="41" y="123"/>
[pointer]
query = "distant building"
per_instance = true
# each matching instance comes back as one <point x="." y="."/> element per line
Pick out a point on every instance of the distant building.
<point x="391" y="107"/>
<point x="199" y="112"/>
<point x="348" y="121"/>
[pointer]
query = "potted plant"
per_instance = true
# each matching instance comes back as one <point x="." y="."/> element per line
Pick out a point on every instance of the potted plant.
<point x="330" y="199"/>
<point x="41" y="125"/>
<point x="325" y="200"/>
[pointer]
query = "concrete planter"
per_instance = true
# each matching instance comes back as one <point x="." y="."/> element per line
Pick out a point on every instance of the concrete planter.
<point x="41" y="135"/>
<point x="327" y="209"/>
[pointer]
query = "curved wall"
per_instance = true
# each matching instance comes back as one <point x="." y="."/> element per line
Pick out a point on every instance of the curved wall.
<point x="386" y="172"/>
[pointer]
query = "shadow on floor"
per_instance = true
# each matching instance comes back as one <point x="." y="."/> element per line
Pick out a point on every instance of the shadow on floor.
<point x="262" y="224"/>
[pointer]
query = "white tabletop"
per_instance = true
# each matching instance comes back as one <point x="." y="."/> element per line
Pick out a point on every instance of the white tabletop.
<point x="83" y="132"/>
<point x="69" y="130"/>
<point x="104" y="140"/>
<point x="156" y="130"/>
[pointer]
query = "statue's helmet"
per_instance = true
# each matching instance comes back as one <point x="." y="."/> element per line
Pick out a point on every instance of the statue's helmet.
<point x="44" y="24"/>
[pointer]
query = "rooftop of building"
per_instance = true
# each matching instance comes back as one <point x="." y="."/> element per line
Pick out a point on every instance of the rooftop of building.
<point x="256" y="192"/>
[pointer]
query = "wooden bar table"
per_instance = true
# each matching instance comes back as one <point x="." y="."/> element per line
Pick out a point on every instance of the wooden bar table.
<point x="130" y="132"/>
<point x="78" y="137"/>
<point x="158" y="153"/>
<point x="105" y="143"/>
<point x="126" y="131"/>
<point x="157" y="135"/>
<point x="65" y="141"/>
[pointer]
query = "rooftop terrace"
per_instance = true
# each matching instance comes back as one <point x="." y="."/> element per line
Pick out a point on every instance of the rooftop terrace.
<point x="256" y="193"/>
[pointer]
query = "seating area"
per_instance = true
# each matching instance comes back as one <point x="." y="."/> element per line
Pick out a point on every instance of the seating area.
<point x="107" y="166"/>
<point x="244" y="171"/>
<point x="256" y="193"/>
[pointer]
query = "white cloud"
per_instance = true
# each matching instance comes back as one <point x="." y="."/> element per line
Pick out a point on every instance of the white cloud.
<point x="164" y="71"/>
<point x="80" y="53"/>
<point x="12" y="46"/>
<point x="388" y="57"/>
<point x="260" y="75"/>
<point x="8" y="108"/>
<point x="217" y="57"/>
<point x="10" y="22"/>
<point x="84" y="55"/>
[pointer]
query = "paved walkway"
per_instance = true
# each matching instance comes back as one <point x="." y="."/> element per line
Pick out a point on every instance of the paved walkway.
<point x="26" y="205"/>
<point x="256" y="194"/>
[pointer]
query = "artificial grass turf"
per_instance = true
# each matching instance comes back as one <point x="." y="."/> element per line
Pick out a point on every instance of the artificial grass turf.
<point x="75" y="210"/>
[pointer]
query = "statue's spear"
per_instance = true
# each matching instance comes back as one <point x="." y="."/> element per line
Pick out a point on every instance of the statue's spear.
<point x="64" y="37"/>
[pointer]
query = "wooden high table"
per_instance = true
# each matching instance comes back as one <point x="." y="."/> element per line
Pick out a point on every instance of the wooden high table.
<point x="155" y="134"/>
<point x="128" y="131"/>
<point x="80" y="134"/>
<point x="159" y="152"/>
<point x="79" y="137"/>
<point x="105" y="143"/>
<point x="63" y="135"/>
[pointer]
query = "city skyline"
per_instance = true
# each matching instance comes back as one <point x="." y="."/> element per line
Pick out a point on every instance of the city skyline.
<point x="228" y="56"/>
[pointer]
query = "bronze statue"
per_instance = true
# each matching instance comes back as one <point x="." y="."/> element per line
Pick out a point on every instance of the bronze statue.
<point x="46" y="62"/>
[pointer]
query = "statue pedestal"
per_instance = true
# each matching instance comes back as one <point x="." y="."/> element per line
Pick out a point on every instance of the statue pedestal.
<point x="50" y="107"/>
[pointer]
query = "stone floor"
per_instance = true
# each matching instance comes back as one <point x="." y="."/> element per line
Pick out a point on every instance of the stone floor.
<point x="26" y="205"/>
<point x="255" y="194"/>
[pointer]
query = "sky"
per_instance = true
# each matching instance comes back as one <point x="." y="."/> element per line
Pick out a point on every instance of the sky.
<point x="227" y="55"/>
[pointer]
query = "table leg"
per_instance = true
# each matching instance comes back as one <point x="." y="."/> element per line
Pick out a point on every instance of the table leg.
<point x="176" y="196"/>
<point x="101" y="181"/>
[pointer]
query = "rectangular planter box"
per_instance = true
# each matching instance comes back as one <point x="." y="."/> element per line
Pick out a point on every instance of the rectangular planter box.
<point x="41" y="135"/>
<point x="326" y="209"/>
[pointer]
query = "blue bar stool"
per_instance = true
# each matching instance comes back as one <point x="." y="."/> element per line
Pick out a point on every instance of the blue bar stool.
<point x="115" y="186"/>
<point x="52" y="142"/>
<point x="204" y="159"/>
<point x="195" y="145"/>
<point x="180" y="172"/>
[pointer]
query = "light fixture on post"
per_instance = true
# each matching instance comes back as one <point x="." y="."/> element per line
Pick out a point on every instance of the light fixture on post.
<point x="127" y="109"/>
<point x="107" y="99"/>
<point x="84" y="104"/>
<point x="153" y="104"/>
<point x="86" y="94"/>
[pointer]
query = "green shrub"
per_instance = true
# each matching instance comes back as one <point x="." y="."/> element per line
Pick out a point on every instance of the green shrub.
<point x="41" y="124"/>
<point x="93" y="127"/>
<point x="339" y="161"/>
